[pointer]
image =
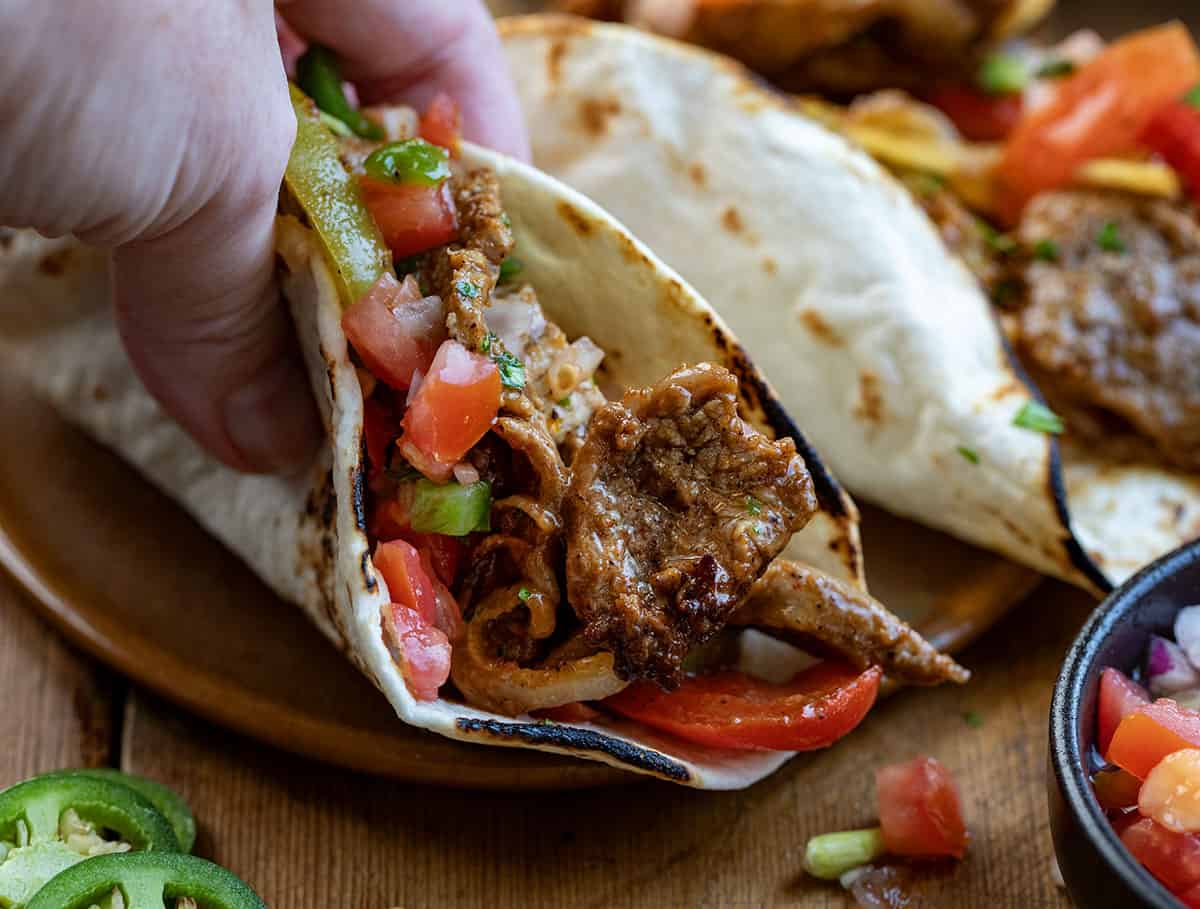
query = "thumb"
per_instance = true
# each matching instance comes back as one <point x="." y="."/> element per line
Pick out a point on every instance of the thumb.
<point x="201" y="318"/>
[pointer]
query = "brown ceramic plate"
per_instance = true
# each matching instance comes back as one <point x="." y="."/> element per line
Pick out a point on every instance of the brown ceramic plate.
<point x="129" y="577"/>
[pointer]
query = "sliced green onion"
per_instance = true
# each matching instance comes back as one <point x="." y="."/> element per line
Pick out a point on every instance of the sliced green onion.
<point x="1039" y="418"/>
<point x="831" y="855"/>
<point x="1192" y="98"/>
<point x="1003" y="75"/>
<point x="410" y="161"/>
<point x="512" y="370"/>
<point x="1046" y="251"/>
<point x="969" y="454"/>
<point x="454" y="510"/>
<point x="319" y="76"/>
<point x="1109" y="238"/>
<point x="1055" y="69"/>
<point x="510" y="268"/>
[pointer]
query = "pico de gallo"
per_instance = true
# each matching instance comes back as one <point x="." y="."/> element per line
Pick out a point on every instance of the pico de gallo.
<point x="498" y="473"/>
<point x="1148" y="736"/>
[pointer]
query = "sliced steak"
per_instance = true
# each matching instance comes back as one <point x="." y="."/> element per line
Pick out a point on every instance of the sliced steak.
<point x="1113" y="325"/>
<point x="802" y="605"/>
<point x="674" y="509"/>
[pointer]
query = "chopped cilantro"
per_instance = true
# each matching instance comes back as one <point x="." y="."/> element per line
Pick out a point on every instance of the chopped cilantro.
<point x="1109" y="238"/>
<point x="1192" y="98"/>
<point x="1046" y="251"/>
<point x="510" y="268"/>
<point x="1003" y="75"/>
<point x="467" y="289"/>
<point x="753" y="505"/>
<point x="485" y="346"/>
<point x="524" y="594"/>
<point x="505" y="219"/>
<point x="1038" y="417"/>
<point x="969" y="453"/>
<point x="1055" y="69"/>
<point x="1000" y="243"/>
<point x="565" y="402"/>
<point x="972" y="719"/>
<point x="512" y="370"/>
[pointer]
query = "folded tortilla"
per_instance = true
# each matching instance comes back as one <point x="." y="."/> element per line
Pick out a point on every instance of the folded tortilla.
<point x="879" y="341"/>
<point x="305" y="534"/>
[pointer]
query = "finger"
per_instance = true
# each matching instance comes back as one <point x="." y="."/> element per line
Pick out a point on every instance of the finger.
<point x="409" y="50"/>
<point x="198" y="307"/>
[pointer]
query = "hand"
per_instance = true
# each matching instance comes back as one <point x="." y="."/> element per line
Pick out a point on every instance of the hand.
<point x="161" y="129"/>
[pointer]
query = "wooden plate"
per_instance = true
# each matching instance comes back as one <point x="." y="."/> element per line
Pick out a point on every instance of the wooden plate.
<point x="129" y="577"/>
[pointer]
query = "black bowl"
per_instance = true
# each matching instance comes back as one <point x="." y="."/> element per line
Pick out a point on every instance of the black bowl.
<point x="1098" y="870"/>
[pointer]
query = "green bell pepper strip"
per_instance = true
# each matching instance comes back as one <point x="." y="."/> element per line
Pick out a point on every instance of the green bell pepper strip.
<point x="41" y="801"/>
<point x="169" y="803"/>
<point x="146" y="880"/>
<point x="330" y="198"/>
<point x="320" y="77"/>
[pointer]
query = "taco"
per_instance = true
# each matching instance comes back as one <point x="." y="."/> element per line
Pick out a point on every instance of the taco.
<point x="864" y="311"/>
<point x="555" y="489"/>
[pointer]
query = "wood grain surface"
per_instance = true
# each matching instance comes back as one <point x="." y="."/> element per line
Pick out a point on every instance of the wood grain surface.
<point x="308" y="836"/>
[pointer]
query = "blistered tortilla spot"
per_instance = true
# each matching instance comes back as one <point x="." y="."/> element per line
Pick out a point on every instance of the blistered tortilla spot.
<point x="820" y="329"/>
<point x="358" y="491"/>
<point x="697" y="174"/>
<point x="770" y="266"/>
<point x="368" y="572"/>
<point x="53" y="264"/>
<point x="732" y="221"/>
<point x="572" y="739"/>
<point x="870" y="399"/>
<point x="554" y="61"/>
<point x="1007" y="389"/>
<point x="631" y="253"/>
<point x="596" y="112"/>
<point x="579" y="222"/>
<point x="100" y="394"/>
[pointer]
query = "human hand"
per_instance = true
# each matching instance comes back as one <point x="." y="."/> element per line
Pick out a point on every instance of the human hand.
<point x="161" y="129"/>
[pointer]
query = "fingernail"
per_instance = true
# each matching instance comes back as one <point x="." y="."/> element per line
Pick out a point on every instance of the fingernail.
<point x="272" y="420"/>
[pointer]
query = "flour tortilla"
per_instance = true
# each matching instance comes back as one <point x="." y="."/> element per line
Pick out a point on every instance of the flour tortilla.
<point x="880" y="342"/>
<point x="304" y="535"/>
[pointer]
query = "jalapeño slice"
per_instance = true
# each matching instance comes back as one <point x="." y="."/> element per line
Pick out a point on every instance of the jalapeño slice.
<point x="146" y="880"/>
<point x="40" y="802"/>
<point x="170" y="804"/>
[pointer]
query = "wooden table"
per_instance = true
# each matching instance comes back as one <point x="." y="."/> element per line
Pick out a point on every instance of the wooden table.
<point x="311" y="836"/>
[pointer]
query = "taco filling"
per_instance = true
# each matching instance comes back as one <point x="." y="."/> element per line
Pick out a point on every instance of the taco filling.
<point x="544" y="546"/>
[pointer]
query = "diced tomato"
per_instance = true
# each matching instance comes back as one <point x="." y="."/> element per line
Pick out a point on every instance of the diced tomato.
<point x="734" y="710"/>
<point x="1173" y="858"/>
<point x="381" y="426"/>
<point x="444" y="552"/>
<point x="979" y="116"/>
<point x="407" y="581"/>
<point x="395" y="330"/>
<point x="1152" y="732"/>
<point x="1100" y="111"/>
<point x="1116" y="789"/>
<point x="1119" y="697"/>
<point x="1174" y="133"/>
<point x="451" y="411"/>
<point x="1190" y="897"/>
<point x="440" y="124"/>
<point x="449" y="617"/>
<point x="578" y="712"/>
<point x="919" y="809"/>
<point x="412" y="217"/>
<point x="421" y="651"/>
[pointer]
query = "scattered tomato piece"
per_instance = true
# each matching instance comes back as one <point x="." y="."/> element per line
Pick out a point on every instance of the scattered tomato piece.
<point x="412" y="217"/>
<point x="406" y="578"/>
<point x="919" y="809"/>
<point x="453" y="409"/>
<point x="1100" y="111"/>
<point x="1174" y="133"/>
<point x="1173" y="858"/>
<point x="1152" y="732"/>
<point x="421" y="651"/>
<point x="734" y="710"/>
<point x="979" y="116"/>
<point x="1119" y="697"/>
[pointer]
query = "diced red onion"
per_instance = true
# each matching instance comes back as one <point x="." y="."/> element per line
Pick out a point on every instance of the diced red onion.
<point x="516" y="323"/>
<point x="465" y="473"/>
<point x="1187" y="633"/>
<point x="587" y="355"/>
<point x="1168" y="669"/>
<point x="770" y="659"/>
